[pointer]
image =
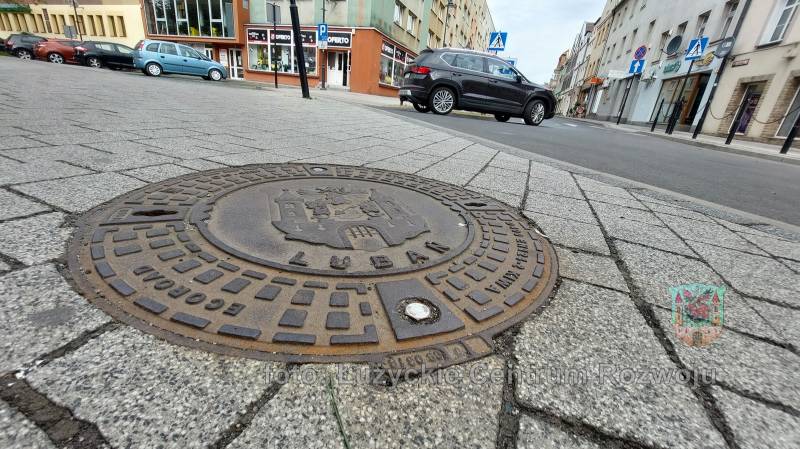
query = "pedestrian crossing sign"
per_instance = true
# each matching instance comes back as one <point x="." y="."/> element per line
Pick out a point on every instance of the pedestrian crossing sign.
<point x="696" y="48"/>
<point x="497" y="41"/>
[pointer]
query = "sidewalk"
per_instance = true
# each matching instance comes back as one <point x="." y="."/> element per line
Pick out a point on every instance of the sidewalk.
<point x="755" y="149"/>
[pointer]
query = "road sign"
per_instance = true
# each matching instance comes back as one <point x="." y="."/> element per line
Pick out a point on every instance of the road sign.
<point x="322" y="36"/>
<point x="273" y="13"/>
<point x="724" y="48"/>
<point x="637" y="65"/>
<point x="617" y="74"/>
<point x="640" y="52"/>
<point x="696" y="48"/>
<point x="497" y="41"/>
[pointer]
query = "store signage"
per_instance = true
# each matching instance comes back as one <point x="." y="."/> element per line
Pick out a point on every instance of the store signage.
<point x="673" y="66"/>
<point x="339" y="40"/>
<point x="617" y="74"/>
<point x="256" y="35"/>
<point x="309" y="37"/>
<point x="740" y="62"/>
<point x="706" y="60"/>
<point x="400" y="55"/>
<point x="387" y="49"/>
<point x="280" y="37"/>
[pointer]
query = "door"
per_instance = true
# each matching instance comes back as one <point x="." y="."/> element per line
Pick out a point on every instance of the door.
<point x="191" y="61"/>
<point x="470" y="74"/>
<point x="503" y="90"/>
<point x="209" y="52"/>
<point x="336" y="68"/>
<point x="124" y="56"/>
<point x="168" y="56"/>
<point x="235" y="63"/>
<point x="749" y="104"/>
<point x="107" y="53"/>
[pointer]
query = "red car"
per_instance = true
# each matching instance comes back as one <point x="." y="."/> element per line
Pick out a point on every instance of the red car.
<point x="57" y="51"/>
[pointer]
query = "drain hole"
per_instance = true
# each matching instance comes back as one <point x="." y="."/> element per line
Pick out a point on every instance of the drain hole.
<point x="476" y="204"/>
<point x="154" y="213"/>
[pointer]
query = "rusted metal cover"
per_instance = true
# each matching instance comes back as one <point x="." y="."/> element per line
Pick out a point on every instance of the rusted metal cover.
<point x="315" y="263"/>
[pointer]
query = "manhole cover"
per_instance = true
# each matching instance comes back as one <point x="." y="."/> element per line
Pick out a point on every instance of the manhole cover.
<point x="315" y="263"/>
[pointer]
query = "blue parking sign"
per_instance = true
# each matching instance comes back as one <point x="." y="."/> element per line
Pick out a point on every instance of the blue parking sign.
<point x="322" y="32"/>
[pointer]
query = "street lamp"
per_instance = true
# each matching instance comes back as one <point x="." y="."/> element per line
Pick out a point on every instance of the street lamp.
<point x="451" y="5"/>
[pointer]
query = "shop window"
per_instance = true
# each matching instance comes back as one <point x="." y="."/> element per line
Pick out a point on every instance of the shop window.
<point x="277" y="52"/>
<point x="791" y="116"/>
<point x="202" y="18"/>
<point x="393" y="64"/>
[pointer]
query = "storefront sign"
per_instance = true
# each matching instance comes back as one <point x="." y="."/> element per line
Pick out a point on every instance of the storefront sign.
<point x="223" y="57"/>
<point x="309" y="38"/>
<point x="280" y="37"/>
<point x="256" y="35"/>
<point x="339" y="40"/>
<point x="740" y="62"/>
<point x="400" y="55"/>
<point x="705" y="60"/>
<point x="387" y="49"/>
<point x="673" y="66"/>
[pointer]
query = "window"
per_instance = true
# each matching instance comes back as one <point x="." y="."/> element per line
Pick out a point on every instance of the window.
<point x="469" y="62"/>
<point x="501" y="69"/>
<point x="633" y="8"/>
<point x="168" y="49"/>
<point x="780" y="20"/>
<point x="622" y="47"/>
<point x="412" y="20"/>
<point x="633" y="40"/>
<point x="398" y="13"/>
<point x="121" y="27"/>
<point x="272" y="50"/>
<point x="126" y="50"/>
<point x="730" y="11"/>
<point x="112" y="27"/>
<point x="702" y="21"/>
<point x="662" y="44"/>
<point x="207" y="18"/>
<point x="682" y="30"/>
<point x="150" y="47"/>
<point x="791" y="116"/>
<point x="393" y="64"/>
<point x="187" y="52"/>
<point x="109" y="47"/>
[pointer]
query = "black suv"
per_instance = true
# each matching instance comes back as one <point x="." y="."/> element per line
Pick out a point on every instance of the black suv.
<point x="21" y="45"/>
<point x="444" y="79"/>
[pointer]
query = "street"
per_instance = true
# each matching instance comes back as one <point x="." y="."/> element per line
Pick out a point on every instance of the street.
<point x="761" y="187"/>
<point x="191" y="264"/>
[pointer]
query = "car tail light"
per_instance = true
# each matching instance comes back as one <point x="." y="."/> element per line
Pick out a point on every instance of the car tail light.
<point x="421" y="70"/>
<point x="139" y="45"/>
<point x="80" y="48"/>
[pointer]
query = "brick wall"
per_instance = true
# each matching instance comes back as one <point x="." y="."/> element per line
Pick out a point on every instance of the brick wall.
<point x="781" y="107"/>
<point x="736" y="100"/>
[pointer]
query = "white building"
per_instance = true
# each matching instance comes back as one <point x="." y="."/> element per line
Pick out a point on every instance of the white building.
<point x="653" y="24"/>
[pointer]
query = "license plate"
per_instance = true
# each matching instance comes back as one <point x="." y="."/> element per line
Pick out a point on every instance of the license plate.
<point x="405" y="92"/>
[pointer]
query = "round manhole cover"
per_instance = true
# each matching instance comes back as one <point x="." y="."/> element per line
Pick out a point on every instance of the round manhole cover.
<point x="315" y="263"/>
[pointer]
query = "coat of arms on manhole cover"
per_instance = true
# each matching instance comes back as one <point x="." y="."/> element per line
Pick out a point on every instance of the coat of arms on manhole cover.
<point x="315" y="263"/>
<point x="698" y="312"/>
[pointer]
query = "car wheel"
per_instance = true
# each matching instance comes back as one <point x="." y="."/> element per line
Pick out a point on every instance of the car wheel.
<point x="502" y="117"/>
<point x="421" y="107"/>
<point x="215" y="75"/>
<point x="24" y="54"/>
<point x="94" y="62"/>
<point x="55" y="58"/>
<point x="442" y="101"/>
<point x="153" y="69"/>
<point x="534" y="112"/>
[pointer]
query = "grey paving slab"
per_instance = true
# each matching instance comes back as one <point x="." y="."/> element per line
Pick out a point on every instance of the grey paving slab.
<point x="165" y="132"/>
<point x="16" y="173"/>
<point x="591" y="185"/>
<point x="156" y="173"/>
<point x="500" y="180"/>
<point x="166" y="395"/>
<point x="408" y="163"/>
<point x="609" y="214"/>
<point x="510" y="162"/>
<point x="537" y="434"/>
<point x="4" y="266"/>
<point x="122" y="146"/>
<point x="590" y="268"/>
<point x="86" y="137"/>
<point x="573" y="234"/>
<point x="200" y="164"/>
<point x="582" y="359"/>
<point x="554" y="183"/>
<point x="327" y="159"/>
<point x="753" y="275"/>
<point x="17" y="432"/>
<point x="783" y="319"/>
<point x="476" y="153"/>
<point x="775" y="246"/>
<point x="92" y="159"/>
<point x="372" y="154"/>
<point x="653" y="273"/>
<point x="34" y="239"/>
<point x="676" y="211"/>
<point x="560" y="206"/>
<point x="12" y="131"/>
<point x="13" y="205"/>
<point x="792" y="264"/>
<point x="39" y="313"/>
<point x="10" y="142"/>
<point x="742" y="363"/>
<point x="755" y="425"/>
<point x="741" y="229"/>
<point x="645" y="234"/>
<point x="708" y="232"/>
<point x="612" y="199"/>
<point x="452" y="171"/>
<point x="512" y="200"/>
<point x="81" y="193"/>
<point x="66" y="153"/>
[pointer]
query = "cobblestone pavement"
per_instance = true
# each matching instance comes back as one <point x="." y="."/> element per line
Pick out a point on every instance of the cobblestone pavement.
<point x="600" y="366"/>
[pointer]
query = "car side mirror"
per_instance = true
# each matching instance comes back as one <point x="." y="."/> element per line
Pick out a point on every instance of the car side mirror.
<point x="519" y="78"/>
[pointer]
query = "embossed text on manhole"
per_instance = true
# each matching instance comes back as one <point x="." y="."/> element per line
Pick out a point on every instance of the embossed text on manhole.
<point x="315" y="263"/>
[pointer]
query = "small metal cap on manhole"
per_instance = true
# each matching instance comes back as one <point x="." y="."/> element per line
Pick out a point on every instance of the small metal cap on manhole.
<point x="315" y="263"/>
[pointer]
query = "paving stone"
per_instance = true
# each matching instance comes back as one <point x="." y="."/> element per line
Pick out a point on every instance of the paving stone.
<point x="677" y="211"/>
<point x="165" y="132"/>
<point x="753" y="275"/>
<point x="560" y="206"/>
<point x="407" y="163"/>
<point x="742" y="363"/>
<point x="86" y="137"/>
<point x="755" y="425"/>
<point x="537" y="434"/>
<point x="500" y="180"/>
<point x="143" y="392"/>
<point x="792" y="264"/>
<point x="123" y="146"/>
<point x="554" y="183"/>
<point x="12" y="206"/>
<point x="783" y="319"/>
<point x="591" y="357"/>
<point x="40" y="310"/>
<point x="374" y="153"/>
<point x="590" y="268"/>
<point x="17" y="432"/>
<point x="200" y="164"/>
<point x="35" y="239"/>
<point x="9" y="142"/>
<point x="775" y="246"/>
<point x="452" y="171"/>
<point x="610" y="213"/>
<point x="611" y="199"/>
<point x="323" y="159"/>
<point x="573" y="234"/>
<point x="476" y="153"/>
<point x="81" y="193"/>
<point x="446" y="148"/>
<point x="512" y="200"/>
<point x="708" y="232"/>
<point x="645" y="234"/>
<point x="74" y="154"/>
<point x="510" y="162"/>
<point x="15" y="173"/>
<point x="4" y="266"/>
<point x="158" y="173"/>
<point x="741" y="229"/>
<point x="590" y="185"/>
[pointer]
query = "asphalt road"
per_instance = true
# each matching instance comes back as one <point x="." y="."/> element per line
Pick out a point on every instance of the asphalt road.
<point x="762" y="187"/>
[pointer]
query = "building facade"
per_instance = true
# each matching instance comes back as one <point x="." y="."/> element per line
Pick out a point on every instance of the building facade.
<point x="664" y="81"/>
<point x="369" y="44"/>
<point x="118" y="21"/>
<point x="762" y="78"/>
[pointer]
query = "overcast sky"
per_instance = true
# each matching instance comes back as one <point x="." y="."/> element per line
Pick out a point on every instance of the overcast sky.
<point x="539" y="30"/>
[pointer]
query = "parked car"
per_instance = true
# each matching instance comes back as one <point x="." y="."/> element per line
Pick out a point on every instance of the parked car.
<point x="57" y="51"/>
<point x="157" y="57"/>
<point x="445" y="79"/>
<point x="108" y="54"/>
<point x="21" y="45"/>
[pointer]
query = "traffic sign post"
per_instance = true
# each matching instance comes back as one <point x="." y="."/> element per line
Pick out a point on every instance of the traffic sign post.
<point x="322" y="44"/>
<point x="636" y="67"/>
<point x="640" y="52"/>
<point x="723" y="50"/>
<point x="696" y="49"/>
<point x="693" y="52"/>
<point x="497" y="41"/>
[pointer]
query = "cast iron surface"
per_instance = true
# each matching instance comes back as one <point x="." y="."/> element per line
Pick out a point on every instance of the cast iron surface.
<point x="314" y="263"/>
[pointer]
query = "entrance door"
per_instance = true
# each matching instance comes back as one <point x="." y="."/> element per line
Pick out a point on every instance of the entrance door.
<point x="750" y="102"/>
<point x="235" y="63"/>
<point x="209" y="52"/>
<point x="337" y="69"/>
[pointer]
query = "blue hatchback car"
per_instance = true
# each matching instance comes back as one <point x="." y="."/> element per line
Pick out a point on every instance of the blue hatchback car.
<point x="157" y="57"/>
